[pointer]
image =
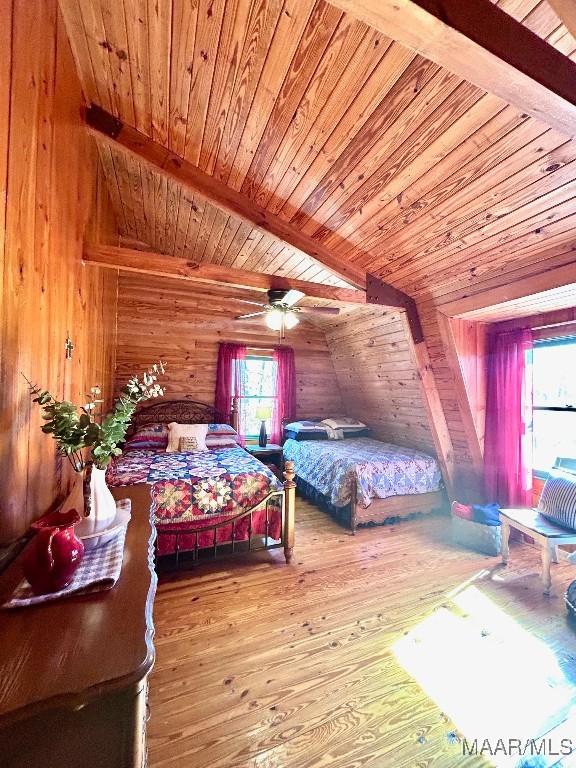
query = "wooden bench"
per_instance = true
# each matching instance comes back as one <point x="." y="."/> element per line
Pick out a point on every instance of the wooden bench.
<point x="548" y="535"/>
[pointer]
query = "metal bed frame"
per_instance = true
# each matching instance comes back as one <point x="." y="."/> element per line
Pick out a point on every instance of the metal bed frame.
<point x="196" y="412"/>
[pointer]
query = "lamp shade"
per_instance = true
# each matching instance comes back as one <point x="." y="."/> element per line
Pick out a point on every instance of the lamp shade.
<point x="274" y="319"/>
<point x="263" y="412"/>
<point x="291" y="320"/>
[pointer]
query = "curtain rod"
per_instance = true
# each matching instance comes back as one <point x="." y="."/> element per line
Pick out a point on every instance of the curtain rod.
<point x="268" y="349"/>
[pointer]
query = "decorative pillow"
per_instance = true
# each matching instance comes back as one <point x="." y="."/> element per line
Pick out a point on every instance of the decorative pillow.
<point x="151" y="437"/>
<point x="318" y="430"/>
<point x="188" y="445"/>
<point x="221" y="429"/>
<point x="221" y="442"/>
<point x="302" y="437"/>
<point x="305" y="426"/>
<point x="558" y="498"/>
<point x="176" y="431"/>
<point x="221" y="436"/>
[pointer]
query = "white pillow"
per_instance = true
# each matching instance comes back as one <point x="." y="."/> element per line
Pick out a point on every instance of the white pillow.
<point x="176" y="431"/>
<point x="344" y="423"/>
<point x="305" y="426"/>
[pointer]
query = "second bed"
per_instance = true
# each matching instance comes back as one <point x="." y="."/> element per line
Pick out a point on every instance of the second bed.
<point x="359" y="480"/>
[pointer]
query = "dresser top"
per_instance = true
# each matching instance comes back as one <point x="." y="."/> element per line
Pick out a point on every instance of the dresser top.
<point x="65" y="652"/>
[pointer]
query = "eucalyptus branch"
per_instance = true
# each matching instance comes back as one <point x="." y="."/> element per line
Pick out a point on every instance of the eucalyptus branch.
<point x="75" y="428"/>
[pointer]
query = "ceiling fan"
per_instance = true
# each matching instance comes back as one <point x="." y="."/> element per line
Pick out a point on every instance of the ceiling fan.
<point x="281" y="314"/>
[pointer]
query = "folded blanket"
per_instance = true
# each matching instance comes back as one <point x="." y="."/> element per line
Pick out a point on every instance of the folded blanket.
<point x="334" y="434"/>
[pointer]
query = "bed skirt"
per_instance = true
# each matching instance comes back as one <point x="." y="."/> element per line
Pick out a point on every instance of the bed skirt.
<point x="342" y="515"/>
<point x="381" y="511"/>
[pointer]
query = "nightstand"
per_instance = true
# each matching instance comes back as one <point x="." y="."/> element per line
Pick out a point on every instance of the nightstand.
<point x="271" y="455"/>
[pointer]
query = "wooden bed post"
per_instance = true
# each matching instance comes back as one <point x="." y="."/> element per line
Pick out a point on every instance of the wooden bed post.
<point x="354" y="515"/>
<point x="289" y="508"/>
<point x="234" y="415"/>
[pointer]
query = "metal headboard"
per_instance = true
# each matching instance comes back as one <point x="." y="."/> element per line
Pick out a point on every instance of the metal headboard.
<point x="181" y="411"/>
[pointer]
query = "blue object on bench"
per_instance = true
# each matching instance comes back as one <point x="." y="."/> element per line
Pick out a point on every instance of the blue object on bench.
<point x="487" y="514"/>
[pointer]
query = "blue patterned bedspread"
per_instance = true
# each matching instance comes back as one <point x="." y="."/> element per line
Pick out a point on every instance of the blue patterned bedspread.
<point x="379" y="469"/>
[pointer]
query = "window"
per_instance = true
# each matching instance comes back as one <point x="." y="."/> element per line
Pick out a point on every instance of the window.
<point x="259" y="391"/>
<point x="554" y="405"/>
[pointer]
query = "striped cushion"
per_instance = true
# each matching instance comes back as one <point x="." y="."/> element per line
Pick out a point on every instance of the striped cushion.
<point x="223" y="441"/>
<point x="558" y="499"/>
<point x="221" y="436"/>
<point x="153" y="437"/>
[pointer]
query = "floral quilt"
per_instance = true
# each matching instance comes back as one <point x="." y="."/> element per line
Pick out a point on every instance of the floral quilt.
<point x="196" y="487"/>
<point x="379" y="469"/>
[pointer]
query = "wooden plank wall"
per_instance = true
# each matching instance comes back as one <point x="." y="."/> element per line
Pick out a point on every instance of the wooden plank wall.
<point x="50" y="194"/>
<point x="183" y="323"/>
<point x="377" y="376"/>
<point x="469" y="341"/>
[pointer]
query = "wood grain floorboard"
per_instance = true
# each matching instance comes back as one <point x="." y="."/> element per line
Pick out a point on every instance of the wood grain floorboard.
<point x="263" y="665"/>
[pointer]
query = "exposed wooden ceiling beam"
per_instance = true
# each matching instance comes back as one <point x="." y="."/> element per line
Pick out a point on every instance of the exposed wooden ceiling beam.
<point x="484" y="45"/>
<point x="130" y="260"/>
<point x="379" y="292"/>
<point x="566" y="12"/>
<point x="174" y="167"/>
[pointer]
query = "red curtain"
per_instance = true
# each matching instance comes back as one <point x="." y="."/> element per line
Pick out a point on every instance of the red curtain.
<point x="508" y="438"/>
<point x="285" y="403"/>
<point x="228" y="376"/>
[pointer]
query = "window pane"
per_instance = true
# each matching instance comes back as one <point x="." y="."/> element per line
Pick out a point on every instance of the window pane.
<point x="554" y="435"/>
<point x="258" y="388"/>
<point x="260" y="377"/>
<point x="554" y="375"/>
<point x="250" y="421"/>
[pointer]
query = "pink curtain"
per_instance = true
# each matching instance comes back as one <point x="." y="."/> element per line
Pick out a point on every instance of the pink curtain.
<point x="285" y="403"/>
<point x="508" y="438"/>
<point x="229" y="377"/>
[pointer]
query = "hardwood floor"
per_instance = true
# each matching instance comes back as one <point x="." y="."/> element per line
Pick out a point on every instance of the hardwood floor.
<point x="321" y="663"/>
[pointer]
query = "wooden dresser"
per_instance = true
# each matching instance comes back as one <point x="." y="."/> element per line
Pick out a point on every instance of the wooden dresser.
<point x="73" y="673"/>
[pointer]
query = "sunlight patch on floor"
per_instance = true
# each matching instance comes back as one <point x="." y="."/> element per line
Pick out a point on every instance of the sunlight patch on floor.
<point x="490" y="676"/>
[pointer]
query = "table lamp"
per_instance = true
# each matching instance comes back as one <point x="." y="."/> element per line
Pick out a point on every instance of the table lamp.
<point x="263" y="412"/>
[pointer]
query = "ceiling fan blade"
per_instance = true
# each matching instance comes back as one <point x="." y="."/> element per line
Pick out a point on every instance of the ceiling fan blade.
<point x="252" y="314"/>
<point x="292" y="297"/>
<point x="319" y="310"/>
<point x="253" y="303"/>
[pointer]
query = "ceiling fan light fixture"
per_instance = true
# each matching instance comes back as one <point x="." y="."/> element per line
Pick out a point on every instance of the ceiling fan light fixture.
<point x="274" y="319"/>
<point x="291" y="320"/>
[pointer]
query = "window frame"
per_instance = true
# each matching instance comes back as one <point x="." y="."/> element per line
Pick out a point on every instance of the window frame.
<point x="558" y="341"/>
<point x="258" y="355"/>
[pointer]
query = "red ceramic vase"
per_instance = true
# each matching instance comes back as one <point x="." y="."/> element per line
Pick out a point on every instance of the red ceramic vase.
<point x="51" y="559"/>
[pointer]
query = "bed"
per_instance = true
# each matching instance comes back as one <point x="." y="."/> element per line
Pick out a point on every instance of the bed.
<point x="204" y="504"/>
<point x="360" y="480"/>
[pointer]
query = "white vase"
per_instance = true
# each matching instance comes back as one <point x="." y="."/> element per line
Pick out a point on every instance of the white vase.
<point x="99" y="504"/>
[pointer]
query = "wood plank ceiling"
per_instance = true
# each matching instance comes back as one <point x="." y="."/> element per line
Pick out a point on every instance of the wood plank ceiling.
<point x="170" y="219"/>
<point x="537" y="303"/>
<point x="391" y="161"/>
